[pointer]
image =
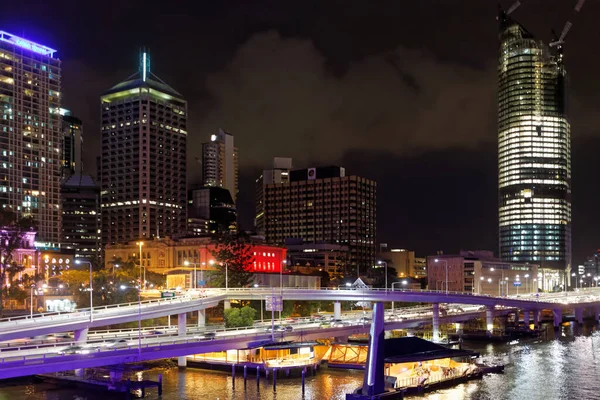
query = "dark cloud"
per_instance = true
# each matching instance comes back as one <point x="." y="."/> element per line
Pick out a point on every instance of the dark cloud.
<point x="278" y="98"/>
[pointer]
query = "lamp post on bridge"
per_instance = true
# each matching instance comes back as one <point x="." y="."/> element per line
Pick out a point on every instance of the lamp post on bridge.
<point x="403" y="282"/>
<point x="386" y="274"/>
<point x="140" y="243"/>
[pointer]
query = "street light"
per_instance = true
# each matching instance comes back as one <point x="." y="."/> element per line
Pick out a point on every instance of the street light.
<point x="32" y="286"/>
<point x="386" y="276"/>
<point x="444" y="261"/>
<point x="575" y="275"/>
<point x="141" y="266"/>
<point x="91" y="288"/>
<point x="187" y="263"/>
<point x="404" y="283"/>
<point x="526" y="283"/>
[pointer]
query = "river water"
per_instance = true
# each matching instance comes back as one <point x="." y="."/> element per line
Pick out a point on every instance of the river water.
<point x="560" y="365"/>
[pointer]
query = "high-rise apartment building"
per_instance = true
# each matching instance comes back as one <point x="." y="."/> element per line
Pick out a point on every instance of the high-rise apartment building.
<point x="220" y="163"/>
<point x="280" y="173"/>
<point x="72" y="144"/>
<point x="143" y="166"/>
<point x="534" y="152"/>
<point x="30" y="133"/>
<point x="323" y="205"/>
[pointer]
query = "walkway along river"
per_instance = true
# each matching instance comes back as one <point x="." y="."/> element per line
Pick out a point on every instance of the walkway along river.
<point x="563" y="364"/>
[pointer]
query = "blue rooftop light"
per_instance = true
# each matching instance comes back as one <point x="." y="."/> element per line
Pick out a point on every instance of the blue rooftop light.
<point x="26" y="44"/>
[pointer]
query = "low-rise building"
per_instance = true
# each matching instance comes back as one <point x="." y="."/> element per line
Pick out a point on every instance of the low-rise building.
<point x="193" y="254"/>
<point x="479" y="272"/>
<point x="404" y="262"/>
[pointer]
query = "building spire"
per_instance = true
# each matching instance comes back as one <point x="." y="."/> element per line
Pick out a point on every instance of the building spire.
<point x="144" y="64"/>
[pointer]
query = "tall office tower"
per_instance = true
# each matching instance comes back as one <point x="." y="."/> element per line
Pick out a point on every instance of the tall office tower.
<point x="30" y="133"/>
<point x="534" y="152"/>
<point x="279" y="174"/>
<point x="220" y="163"/>
<point x="80" y="198"/>
<point x="323" y="205"/>
<point x="143" y="166"/>
<point x="72" y="144"/>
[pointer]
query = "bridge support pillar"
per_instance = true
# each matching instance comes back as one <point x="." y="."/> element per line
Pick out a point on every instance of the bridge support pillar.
<point x="80" y="335"/>
<point x="337" y="310"/>
<point x="373" y="383"/>
<point x="579" y="315"/>
<point x="201" y="317"/>
<point x="557" y="317"/>
<point x="526" y="318"/>
<point x="226" y="304"/>
<point x="460" y="328"/>
<point x="436" y="322"/>
<point x="536" y="318"/>
<point x="181" y="320"/>
<point x="597" y="314"/>
<point x="489" y="319"/>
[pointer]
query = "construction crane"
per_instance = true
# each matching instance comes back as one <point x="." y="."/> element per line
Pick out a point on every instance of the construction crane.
<point x="561" y="39"/>
<point x="514" y="6"/>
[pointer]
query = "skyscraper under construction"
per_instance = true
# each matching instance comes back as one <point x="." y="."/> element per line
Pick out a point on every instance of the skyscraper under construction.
<point x="534" y="153"/>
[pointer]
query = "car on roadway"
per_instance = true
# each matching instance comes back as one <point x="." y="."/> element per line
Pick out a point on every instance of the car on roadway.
<point x="276" y="328"/>
<point x="75" y="349"/>
<point x="340" y="322"/>
<point x="116" y="343"/>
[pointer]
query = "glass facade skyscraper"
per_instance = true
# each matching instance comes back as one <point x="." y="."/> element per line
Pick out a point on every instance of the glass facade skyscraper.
<point x="30" y="133"/>
<point x="534" y="151"/>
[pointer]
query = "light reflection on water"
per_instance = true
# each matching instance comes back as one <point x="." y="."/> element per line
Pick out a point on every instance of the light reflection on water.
<point x="561" y="365"/>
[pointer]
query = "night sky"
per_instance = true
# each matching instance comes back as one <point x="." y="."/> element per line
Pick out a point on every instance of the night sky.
<point x="403" y="92"/>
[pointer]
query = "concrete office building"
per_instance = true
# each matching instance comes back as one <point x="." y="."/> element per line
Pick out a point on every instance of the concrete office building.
<point x="323" y="205"/>
<point x="220" y="163"/>
<point x="143" y="165"/>
<point x="30" y="133"/>
<point x="280" y="173"/>
<point x="80" y="199"/>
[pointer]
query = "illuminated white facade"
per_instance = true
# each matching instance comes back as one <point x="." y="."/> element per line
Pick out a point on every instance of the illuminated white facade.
<point x="30" y="133"/>
<point x="143" y="164"/>
<point x="220" y="162"/>
<point x="534" y="152"/>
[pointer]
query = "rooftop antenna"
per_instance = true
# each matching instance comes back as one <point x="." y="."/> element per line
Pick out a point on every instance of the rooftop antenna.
<point x="144" y="64"/>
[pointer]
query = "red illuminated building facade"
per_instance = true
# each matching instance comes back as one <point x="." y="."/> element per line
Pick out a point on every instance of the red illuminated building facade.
<point x="165" y="255"/>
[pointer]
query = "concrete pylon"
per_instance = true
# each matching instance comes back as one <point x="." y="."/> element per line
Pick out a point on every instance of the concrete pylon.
<point x="597" y="314"/>
<point x="80" y="336"/>
<point x="226" y="304"/>
<point x="579" y="315"/>
<point x="374" y="383"/>
<point x="536" y="318"/>
<point x="526" y="317"/>
<point x="436" y="322"/>
<point x="181" y="321"/>
<point x="489" y="319"/>
<point x="202" y="317"/>
<point x="557" y="317"/>
<point x="337" y="310"/>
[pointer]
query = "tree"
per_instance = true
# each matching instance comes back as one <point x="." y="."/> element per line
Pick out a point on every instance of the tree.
<point x="235" y="254"/>
<point x="239" y="317"/>
<point x="12" y="230"/>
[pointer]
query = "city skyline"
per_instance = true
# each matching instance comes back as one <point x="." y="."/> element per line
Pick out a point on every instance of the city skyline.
<point x="434" y="204"/>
